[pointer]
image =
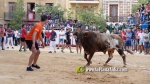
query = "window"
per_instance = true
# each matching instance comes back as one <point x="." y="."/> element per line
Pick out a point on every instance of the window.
<point x="48" y="5"/>
<point x="11" y="6"/>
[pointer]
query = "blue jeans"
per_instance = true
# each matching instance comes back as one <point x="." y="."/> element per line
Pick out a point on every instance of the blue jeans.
<point x="61" y="40"/>
<point x="146" y="44"/>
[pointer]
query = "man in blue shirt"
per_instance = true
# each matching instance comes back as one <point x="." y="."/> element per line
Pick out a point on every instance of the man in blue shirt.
<point x="128" y="39"/>
<point x="52" y="41"/>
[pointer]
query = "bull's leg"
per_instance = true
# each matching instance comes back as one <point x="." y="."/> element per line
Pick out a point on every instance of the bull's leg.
<point x="110" y="53"/>
<point x="85" y="56"/>
<point x="89" y="59"/>
<point x="120" y="51"/>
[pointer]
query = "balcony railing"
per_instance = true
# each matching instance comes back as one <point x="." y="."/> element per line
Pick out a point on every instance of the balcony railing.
<point x="9" y="16"/>
<point x="85" y="1"/>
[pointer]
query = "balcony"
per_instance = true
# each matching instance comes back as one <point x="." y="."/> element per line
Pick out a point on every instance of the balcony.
<point x="84" y="1"/>
<point x="8" y="16"/>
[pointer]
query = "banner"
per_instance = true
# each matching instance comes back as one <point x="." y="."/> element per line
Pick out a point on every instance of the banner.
<point x="30" y="16"/>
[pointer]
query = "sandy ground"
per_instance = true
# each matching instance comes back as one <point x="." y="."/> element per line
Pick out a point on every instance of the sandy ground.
<point x="58" y="68"/>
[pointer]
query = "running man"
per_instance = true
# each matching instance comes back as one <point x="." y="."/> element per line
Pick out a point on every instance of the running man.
<point x="68" y="40"/>
<point x="31" y="38"/>
<point x="23" y="35"/>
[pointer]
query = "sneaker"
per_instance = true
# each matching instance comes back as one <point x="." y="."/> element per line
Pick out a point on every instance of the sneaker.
<point x="7" y="47"/>
<point x="50" y="51"/>
<point x="62" y="51"/>
<point x="57" y="48"/>
<point x="36" y="66"/>
<point x="71" y="52"/>
<point x="54" y="51"/>
<point x="20" y="50"/>
<point x="29" y="69"/>
<point x="12" y="47"/>
<point x="3" y="49"/>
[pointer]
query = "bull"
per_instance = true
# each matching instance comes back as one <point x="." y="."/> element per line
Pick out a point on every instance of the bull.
<point x="99" y="42"/>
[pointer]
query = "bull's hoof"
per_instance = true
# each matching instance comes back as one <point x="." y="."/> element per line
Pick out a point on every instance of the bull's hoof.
<point x="88" y="64"/>
<point x="105" y="65"/>
<point x="124" y="65"/>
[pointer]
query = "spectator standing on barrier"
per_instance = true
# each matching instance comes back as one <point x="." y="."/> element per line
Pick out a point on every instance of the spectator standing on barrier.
<point x="68" y="40"/>
<point x="146" y="41"/>
<point x="10" y="38"/>
<point x="61" y="38"/>
<point x="53" y="41"/>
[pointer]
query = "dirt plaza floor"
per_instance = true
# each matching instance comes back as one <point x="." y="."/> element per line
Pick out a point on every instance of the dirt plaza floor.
<point x="60" y="68"/>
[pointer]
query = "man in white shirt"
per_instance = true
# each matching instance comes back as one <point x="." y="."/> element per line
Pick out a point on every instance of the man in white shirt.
<point x="16" y="33"/>
<point x="61" y="38"/>
<point x="141" y="41"/>
<point x="107" y="31"/>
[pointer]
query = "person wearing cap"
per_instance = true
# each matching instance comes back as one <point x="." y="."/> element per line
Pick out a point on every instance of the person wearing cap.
<point x="52" y="41"/>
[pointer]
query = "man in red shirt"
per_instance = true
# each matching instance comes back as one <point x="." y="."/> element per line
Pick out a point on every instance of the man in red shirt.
<point x="47" y="37"/>
<point x="123" y="35"/>
<point x="23" y="36"/>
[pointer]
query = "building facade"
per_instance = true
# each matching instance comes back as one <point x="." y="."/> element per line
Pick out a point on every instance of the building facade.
<point x="117" y="10"/>
<point x="8" y="6"/>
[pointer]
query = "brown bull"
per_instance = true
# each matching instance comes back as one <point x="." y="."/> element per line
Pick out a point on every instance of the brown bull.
<point x="98" y="42"/>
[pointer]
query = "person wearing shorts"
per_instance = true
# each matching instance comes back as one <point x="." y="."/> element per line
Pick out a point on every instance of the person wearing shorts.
<point x="31" y="38"/>
<point x="68" y="40"/>
<point x="141" y="41"/>
<point x="61" y="38"/>
<point x="23" y="35"/>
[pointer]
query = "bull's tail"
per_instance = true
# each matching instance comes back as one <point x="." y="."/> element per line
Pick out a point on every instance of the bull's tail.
<point x="129" y="51"/>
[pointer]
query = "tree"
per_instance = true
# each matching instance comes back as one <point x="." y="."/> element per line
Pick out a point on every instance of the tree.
<point x="70" y="12"/>
<point x="52" y="9"/>
<point x="17" y="15"/>
<point x="88" y="16"/>
<point x="136" y="6"/>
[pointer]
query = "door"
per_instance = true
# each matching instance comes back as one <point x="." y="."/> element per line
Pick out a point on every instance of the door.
<point x="113" y="13"/>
